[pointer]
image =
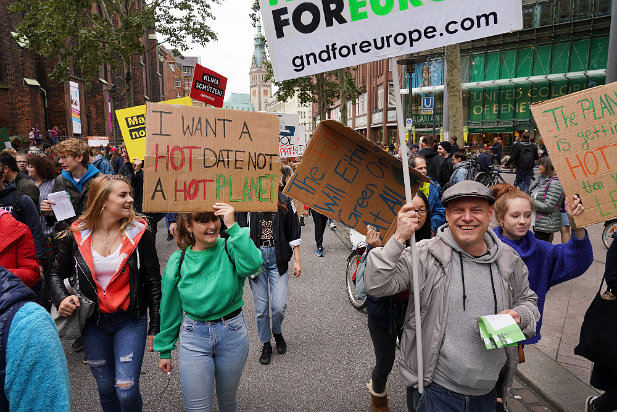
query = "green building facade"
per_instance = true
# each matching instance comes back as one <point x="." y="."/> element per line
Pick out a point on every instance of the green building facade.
<point x="562" y="49"/>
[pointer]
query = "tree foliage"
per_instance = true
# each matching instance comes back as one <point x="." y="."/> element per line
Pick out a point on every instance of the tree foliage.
<point x="84" y="34"/>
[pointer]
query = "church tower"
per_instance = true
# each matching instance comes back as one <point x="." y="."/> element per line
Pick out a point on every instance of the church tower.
<point x="261" y="90"/>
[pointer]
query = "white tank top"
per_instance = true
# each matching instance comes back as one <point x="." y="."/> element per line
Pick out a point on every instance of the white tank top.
<point x="105" y="267"/>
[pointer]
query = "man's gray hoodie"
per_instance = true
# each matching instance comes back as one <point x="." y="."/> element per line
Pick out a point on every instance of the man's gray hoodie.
<point x="388" y="271"/>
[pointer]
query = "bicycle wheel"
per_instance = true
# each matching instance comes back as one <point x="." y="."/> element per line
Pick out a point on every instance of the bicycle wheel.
<point x="607" y="233"/>
<point x="352" y="265"/>
<point x="484" y="178"/>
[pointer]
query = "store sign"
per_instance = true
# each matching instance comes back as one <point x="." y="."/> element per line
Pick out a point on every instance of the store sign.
<point x="208" y="86"/>
<point x="427" y="118"/>
<point x="314" y="36"/>
<point x="580" y="133"/>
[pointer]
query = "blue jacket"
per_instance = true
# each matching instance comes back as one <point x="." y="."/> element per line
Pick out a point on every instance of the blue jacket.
<point x="438" y="212"/>
<point x="103" y="165"/>
<point x="37" y="378"/>
<point x="550" y="264"/>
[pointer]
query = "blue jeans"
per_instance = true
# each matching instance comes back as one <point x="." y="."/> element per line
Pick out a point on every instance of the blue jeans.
<point x="436" y="398"/>
<point x="115" y="351"/>
<point x="276" y="300"/>
<point x="212" y="351"/>
<point x="523" y="178"/>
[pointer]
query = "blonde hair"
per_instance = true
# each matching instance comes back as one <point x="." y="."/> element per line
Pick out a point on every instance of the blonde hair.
<point x="98" y="193"/>
<point x="74" y="147"/>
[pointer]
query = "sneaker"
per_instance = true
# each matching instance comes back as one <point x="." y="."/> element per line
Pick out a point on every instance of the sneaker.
<point x="589" y="404"/>
<point x="281" y="345"/>
<point x="266" y="353"/>
<point x="332" y="225"/>
<point x="320" y="251"/>
<point x="77" y="345"/>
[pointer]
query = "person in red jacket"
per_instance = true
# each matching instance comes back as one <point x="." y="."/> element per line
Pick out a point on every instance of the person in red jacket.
<point x="17" y="249"/>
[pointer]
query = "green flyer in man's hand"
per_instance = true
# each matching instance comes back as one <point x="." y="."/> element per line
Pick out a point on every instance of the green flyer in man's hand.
<point x="499" y="331"/>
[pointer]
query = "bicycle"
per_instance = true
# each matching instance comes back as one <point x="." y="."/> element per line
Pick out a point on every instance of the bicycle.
<point x="609" y="232"/>
<point x="358" y="242"/>
<point x="489" y="179"/>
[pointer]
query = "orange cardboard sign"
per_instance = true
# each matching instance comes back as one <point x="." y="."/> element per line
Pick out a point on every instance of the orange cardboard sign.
<point x="580" y="133"/>
<point x="198" y="156"/>
<point x="346" y="177"/>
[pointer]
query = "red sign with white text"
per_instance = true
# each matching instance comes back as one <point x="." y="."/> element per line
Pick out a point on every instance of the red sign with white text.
<point x="208" y="86"/>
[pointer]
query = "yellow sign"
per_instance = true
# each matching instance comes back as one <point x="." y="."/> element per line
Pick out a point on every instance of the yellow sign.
<point x="132" y="123"/>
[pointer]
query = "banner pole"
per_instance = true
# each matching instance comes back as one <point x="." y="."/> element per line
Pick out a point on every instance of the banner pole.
<point x="415" y="264"/>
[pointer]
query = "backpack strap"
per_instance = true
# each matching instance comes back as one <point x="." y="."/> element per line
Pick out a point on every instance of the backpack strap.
<point x="183" y="253"/>
<point x="181" y="260"/>
<point x="7" y="319"/>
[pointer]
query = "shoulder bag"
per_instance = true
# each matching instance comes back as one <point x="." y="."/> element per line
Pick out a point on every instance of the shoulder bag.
<point x="70" y="327"/>
<point x="598" y="340"/>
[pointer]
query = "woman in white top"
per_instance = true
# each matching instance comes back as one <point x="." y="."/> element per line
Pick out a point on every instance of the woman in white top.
<point x="109" y="253"/>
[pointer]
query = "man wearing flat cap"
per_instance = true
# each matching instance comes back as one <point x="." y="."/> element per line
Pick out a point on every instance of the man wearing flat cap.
<point x="465" y="272"/>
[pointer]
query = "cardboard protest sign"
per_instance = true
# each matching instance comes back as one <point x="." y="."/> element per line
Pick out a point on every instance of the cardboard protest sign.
<point x="132" y="123"/>
<point x="198" y="156"/>
<point x="97" y="141"/>
<point x="208" y="86"/>
<point x="346" y="177"/>
<point x="312" y="36"/>
<point x="289" y="134"/>
<point x="580" y="133"/>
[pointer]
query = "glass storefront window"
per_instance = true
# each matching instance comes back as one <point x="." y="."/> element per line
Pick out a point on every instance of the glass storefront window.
<point x="542" y="60"/>
<point x="545" y="11"/>
<point x="508" y="64"/>
<point x="492" y="66"/>
<point x="599" y="53"/>
<point x="528" y="13"/>
<point x="603" y="8"/>
<point x="525" y="62"/>
<point x="562" y="10"/>
<point x="477" y="68"/>
<point x="579" y="55"/>
<point x="561" y="57"/>
<point x="583" y="10"/>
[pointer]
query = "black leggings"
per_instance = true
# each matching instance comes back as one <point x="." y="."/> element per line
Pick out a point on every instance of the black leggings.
<point x="320" y="226"/>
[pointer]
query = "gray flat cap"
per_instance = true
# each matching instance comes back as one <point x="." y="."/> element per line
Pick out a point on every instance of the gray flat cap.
<point x="467" y="188"/>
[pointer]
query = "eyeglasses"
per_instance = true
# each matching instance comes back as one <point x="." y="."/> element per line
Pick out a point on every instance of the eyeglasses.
<point x="421" y="212"/>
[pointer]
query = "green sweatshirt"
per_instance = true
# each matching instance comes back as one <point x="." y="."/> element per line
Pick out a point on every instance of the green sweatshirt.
<point x="208" y="288"/>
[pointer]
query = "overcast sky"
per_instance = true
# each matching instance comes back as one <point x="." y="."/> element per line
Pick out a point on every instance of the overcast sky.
<point x="231" y="55"/>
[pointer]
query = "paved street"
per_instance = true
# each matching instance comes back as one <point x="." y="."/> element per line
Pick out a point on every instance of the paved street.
<point x="330" y="353"/>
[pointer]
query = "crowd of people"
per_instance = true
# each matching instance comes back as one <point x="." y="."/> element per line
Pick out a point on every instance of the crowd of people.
<point x="482" y="251"/>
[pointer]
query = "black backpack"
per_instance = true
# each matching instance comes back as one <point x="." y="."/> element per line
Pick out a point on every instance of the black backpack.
<point x="527" y="158"/>
<point x="15" y="207"/>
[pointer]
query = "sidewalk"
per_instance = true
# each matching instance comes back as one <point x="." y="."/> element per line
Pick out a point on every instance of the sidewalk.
<point x="552" y="369"/>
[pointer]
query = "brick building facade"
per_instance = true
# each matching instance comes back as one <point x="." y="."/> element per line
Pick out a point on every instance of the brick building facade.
<point x="30" y="98"/>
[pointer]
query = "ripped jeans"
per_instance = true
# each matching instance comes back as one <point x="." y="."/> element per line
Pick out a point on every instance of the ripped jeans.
<point x="115" y="351"/>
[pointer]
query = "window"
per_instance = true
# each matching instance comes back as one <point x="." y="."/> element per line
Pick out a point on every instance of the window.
<point x="391" y="98"/>
<point x="528" y="13"/>
<point x="186" y="83"/>
<point x="361" y="104"/>
<point x="603" y="7"/>
<point x="546" y="13"/>
<point x="172" y="67"/>
<point x="379" y="102"/>
<point x="178" y="83"/>
<point x="178" y="96"/>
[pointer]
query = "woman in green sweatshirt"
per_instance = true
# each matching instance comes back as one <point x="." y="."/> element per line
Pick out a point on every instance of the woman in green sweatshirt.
<point x="202" y="302"/>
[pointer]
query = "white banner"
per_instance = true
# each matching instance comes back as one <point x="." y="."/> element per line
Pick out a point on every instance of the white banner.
<point x="289" y="134"/>
<point x="75" y="107"/>
<point x="313" y="36"/>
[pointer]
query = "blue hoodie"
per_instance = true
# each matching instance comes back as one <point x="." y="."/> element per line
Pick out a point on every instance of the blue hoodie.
<point x="550" y="264"/>
<point x="79" y="185"/>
